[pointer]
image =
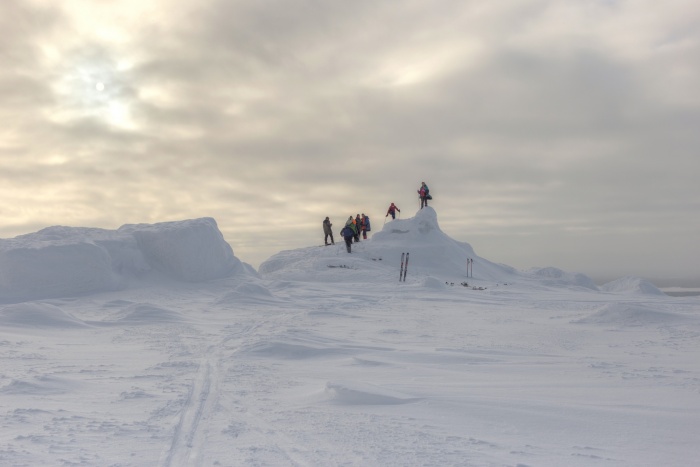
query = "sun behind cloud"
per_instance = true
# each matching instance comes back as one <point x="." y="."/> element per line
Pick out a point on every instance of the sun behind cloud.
<point x="89" y="85"/>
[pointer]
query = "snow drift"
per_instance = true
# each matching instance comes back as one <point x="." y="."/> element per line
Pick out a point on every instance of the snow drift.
<point x="38" y="316"/>
<point x="68" y="261"/>
<point x="556" y="277"/>
<point x="631" y="285"/>
<point x="630" y="315"/>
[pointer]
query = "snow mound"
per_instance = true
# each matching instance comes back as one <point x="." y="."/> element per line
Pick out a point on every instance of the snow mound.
<point x="350" y="393"/>
<point x="625" y="315"/>
<point x="71" y="261"/>
<point x="145" y="313"/>
<point x="432" y="253"/>
<point x="39" y="386"/>
<point x="192" y="251"/>
<point x="631" y="285"/>
<point x="247" y="292"/>
<point x="282" y="350"/>
<point x="38" y="315"/>
<point x="557" y="277"/>
<point x="433" y="283"/>
<point x="36" y="268"/>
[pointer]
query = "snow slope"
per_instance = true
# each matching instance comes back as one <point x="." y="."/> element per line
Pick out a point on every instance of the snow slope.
<point x="175" y="354"/>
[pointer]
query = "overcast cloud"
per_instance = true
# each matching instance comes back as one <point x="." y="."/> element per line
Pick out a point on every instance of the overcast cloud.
<point x="551" y="133"/>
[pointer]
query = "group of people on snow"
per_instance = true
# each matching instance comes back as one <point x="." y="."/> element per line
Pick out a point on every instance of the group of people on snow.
<point x="360" y="225"/>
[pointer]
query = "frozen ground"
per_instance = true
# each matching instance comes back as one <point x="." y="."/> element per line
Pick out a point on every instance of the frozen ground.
<point x="322" y="358"/>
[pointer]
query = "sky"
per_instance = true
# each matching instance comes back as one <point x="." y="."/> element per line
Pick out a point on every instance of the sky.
<point x="550" y="133"/>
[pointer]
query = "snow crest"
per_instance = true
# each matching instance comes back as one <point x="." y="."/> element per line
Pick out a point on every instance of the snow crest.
<point x="69" y="261"/>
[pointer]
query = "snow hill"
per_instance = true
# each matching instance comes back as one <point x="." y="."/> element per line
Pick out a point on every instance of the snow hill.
<point x="67" y="261"/>
<point x="435" y="259"/>
<point x="432" y="254"/>
<point x="71" y="261"/>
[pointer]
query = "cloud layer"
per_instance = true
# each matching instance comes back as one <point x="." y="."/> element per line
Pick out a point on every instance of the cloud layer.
<point x="550" y="133"/>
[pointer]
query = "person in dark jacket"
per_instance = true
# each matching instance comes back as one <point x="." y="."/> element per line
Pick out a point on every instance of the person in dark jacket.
<point x="392" y="210"/>
<point x="348" y="234"/>
<point x="358" y="224"/>
<point x="351" y="223"/>
<point x="327" y="231"/>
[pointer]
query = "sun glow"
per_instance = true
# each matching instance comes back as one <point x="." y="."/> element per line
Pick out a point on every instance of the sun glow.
<point x="92" y="89"/>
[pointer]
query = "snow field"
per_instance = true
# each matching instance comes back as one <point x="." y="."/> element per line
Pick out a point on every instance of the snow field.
<point x="324" y="358"/>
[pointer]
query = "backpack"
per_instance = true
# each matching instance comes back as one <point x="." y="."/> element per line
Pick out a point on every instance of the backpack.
<point x="367" y="226"/>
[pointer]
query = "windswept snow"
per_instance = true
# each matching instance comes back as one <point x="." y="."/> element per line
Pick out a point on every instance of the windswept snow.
<point x="153" y="345"/>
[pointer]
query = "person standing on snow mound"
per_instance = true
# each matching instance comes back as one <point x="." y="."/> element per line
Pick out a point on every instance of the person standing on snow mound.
<point x="347" y="234"/>
<point x="353" y="228"/>
<point x="327" y="231"/>
<point x="365" y="226"/>
<point x="424" y="193"/>
<point x="392" y="210"/>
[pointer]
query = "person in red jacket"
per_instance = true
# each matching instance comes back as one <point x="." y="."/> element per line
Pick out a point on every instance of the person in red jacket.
<point x="392" y="210"/>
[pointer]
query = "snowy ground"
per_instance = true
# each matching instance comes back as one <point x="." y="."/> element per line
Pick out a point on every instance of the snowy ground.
<point x="325" y="359"/>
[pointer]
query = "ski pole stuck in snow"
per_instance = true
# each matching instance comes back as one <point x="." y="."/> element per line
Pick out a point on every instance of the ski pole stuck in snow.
<point x="404" y="267"/>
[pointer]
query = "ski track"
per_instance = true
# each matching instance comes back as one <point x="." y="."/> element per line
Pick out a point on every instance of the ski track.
<point x="202" y="407"/>
<point x="183" y="450"/>
<point x="190" y="432"/>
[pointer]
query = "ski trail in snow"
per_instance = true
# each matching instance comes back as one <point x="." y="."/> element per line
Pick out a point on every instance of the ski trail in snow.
<point x="184" y="450"/>
<point x="191" y="428"/>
